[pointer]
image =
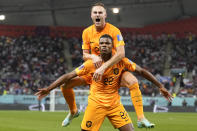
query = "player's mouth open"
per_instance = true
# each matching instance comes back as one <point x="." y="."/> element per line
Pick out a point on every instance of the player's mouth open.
<point x="98" y="20"/>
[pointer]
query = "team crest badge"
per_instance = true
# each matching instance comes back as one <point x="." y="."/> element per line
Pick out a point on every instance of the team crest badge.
<point x="88" y="124"/>
<point x="116" y="71"/>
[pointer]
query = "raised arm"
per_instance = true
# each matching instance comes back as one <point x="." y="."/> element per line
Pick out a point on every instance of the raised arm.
<point x="61" y="80"/>
<point x="146" y="74"/>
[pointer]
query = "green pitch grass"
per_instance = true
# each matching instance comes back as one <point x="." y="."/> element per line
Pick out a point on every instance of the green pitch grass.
<point x="51" y="121"/>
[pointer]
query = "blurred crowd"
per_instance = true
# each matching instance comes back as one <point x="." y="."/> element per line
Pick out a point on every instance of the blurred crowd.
<point x="75" y="51"/>
<point x="146" y="51"/>
<point x="151" y="53"/>
<point x="28" y="63"/>
<point x="184" y="52"/>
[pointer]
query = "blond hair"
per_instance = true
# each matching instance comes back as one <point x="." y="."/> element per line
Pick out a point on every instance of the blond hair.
<point x="98" y="4"/>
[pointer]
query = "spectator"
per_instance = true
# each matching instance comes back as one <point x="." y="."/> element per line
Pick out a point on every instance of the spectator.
<point x="184" y="103"/>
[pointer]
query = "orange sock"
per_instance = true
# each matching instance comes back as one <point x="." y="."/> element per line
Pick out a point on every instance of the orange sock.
<point x="69" y="96"/>
<point x="136" y="97"/>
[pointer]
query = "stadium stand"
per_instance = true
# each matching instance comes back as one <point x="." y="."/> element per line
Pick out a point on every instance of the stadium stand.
<point x="28" y="63"/>
<point x="32" y="56"/>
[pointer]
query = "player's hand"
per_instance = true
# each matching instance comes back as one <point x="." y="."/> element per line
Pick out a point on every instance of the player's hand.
<point x="166" y="94"/>
<point x="98" y="73"/>
<point x="97" y="61"/>
<point x="42" y="93"/>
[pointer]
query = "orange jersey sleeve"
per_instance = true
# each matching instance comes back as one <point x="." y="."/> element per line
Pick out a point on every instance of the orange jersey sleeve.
<point x="85" y="68"/>
<point x="85" y="40"/>
<point x="130" y="65"/>
<point x="117" y="37"/>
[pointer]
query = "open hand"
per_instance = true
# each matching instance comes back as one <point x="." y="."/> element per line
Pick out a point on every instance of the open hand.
<point x="42" y="93"/>
<point x="166" y="94"/>
<point x="97" y="61"/>
<point x="98" y="73"/>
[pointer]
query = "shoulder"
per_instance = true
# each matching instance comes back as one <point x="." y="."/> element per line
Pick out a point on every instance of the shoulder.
<point x="122" y="62"/>
<point x="112" y="27"/>
<point x="125" y="60"/>
<point x="88" y="29"/>
<point x="88" y="63"/>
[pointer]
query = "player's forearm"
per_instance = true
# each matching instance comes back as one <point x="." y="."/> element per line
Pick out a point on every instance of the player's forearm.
<point x="61" y="80"/>
<point x="114" y="59"/>
<point x="58" y="82"/>
<point x="87" y="56"/>
<point x="149" y="76"/>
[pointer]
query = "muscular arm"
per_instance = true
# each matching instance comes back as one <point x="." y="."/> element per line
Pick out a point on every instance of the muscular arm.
<point x="96" y="59"/>
<point x="86" y="55"/>
<point x="146" y="74"/>
<point x="61" y="80"/>
<point x="120" y="53"/>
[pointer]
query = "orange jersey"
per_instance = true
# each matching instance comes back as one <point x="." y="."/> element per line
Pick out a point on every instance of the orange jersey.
<point x="91" y="38"/>
<point x="105" y="92"/>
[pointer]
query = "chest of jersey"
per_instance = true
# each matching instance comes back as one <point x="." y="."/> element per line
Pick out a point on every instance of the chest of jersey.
<point x="94" y="44"/>
<point x="112" y="76"/>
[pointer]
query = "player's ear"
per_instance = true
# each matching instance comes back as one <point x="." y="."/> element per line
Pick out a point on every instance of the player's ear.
<point x="91" y="15"/>
<point x="105" y="14"/>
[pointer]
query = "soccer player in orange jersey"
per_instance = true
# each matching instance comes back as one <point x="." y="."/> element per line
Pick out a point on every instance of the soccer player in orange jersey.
<point x="91" y="51"/>
<point x="104" y="100"/>
<point x="90" y="48"/>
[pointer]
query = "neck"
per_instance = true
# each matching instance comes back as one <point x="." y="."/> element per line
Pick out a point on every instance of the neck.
<point x="100" y="28"/>
<point x="106" y="57"/>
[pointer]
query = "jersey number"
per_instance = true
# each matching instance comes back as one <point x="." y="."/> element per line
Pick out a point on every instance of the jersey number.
<point x="108" y="81"/>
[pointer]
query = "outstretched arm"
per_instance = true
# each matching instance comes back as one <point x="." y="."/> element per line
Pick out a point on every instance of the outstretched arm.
<point x="61" y="80"/>
<point x="146" y="74"/>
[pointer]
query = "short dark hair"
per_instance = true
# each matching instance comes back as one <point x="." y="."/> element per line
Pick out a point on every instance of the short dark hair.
<point x="106" y="36"/>
<point x="98" y="4"/>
